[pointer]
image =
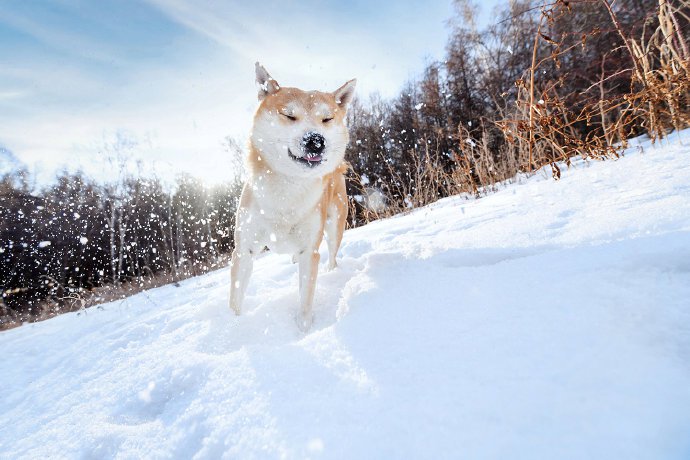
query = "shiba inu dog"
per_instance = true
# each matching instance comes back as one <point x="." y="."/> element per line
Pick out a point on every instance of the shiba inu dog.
<point x="295" y="191"/>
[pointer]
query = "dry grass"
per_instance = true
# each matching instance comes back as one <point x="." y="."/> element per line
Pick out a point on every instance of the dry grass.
<point x="474" y="168"/>
<point x="546" y="127"/>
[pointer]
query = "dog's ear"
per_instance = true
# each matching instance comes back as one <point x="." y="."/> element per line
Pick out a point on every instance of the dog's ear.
<point x="345" y="93"/>
<point x="267" y="85"/>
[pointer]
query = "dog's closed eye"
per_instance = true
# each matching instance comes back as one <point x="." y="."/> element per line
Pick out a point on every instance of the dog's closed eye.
<point x="326" y="120"/>
<point x="289" y="117"/>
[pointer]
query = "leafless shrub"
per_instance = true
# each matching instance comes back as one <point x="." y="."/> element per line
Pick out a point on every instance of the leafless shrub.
<point x="547" y="124"/>
<point x="473" y="168"/>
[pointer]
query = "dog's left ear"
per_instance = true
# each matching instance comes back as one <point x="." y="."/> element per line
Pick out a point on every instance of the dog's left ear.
<point x="267" y="85"/>
<point x="345" y="93"/>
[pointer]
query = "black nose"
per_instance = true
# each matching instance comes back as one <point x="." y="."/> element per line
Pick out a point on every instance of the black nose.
<point x="313" y="143"/>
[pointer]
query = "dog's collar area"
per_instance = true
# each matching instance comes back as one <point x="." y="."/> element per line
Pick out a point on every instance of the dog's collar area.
<point x="309" y="159"/>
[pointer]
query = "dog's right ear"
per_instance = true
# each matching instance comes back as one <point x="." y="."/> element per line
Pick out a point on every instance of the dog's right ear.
<point x="267" y="85"/>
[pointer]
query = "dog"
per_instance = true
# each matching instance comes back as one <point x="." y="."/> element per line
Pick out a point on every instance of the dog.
<point x="295" y="191"/>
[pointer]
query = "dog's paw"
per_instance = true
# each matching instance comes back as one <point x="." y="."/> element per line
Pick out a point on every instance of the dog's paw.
<point x="331" y="266"/>
<point x="304" y="322"/>
<point x="236" y="309"/>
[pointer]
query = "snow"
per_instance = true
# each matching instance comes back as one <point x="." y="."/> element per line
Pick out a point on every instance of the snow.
<point x="548" y="320"/>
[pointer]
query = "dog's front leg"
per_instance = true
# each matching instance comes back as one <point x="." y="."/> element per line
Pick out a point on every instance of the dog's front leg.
<point x="308" y="270"/>
<point x="240" y="270"/>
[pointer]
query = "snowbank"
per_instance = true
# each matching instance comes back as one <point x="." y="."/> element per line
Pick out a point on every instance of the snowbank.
<point x="549" y="320"/>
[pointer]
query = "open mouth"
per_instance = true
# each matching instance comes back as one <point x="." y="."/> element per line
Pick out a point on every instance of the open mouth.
<point x="309" y="159"/>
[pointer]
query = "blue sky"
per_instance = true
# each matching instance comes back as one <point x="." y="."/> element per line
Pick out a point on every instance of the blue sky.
<point x="174" y="77"/>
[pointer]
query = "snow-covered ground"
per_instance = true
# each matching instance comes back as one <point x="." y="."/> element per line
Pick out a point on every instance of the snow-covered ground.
<point x="548" y="320"/>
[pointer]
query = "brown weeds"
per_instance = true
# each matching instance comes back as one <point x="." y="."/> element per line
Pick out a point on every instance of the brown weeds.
<point x="551" y="130"/>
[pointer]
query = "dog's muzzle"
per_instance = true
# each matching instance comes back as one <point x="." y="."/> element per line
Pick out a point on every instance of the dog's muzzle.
<point x="312" y="145"/>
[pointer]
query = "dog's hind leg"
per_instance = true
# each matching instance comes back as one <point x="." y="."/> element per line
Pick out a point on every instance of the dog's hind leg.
<point x="335" y="224"/>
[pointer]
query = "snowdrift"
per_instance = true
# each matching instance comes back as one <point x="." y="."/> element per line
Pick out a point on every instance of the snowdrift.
<point x="548" y="320"/>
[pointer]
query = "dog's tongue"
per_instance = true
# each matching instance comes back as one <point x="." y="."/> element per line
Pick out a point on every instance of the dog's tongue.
<point x="313" y="158"/>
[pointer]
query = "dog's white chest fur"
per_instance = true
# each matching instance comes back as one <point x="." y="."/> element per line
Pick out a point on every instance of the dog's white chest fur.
<point x="280" y="214"/>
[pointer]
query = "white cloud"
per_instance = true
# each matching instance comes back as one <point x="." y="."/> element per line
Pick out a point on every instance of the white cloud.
<point x="312" y="46"/>
<point x="60" y="38"/>
<point x="186" y="104"/>
<point x="8" y="95"/>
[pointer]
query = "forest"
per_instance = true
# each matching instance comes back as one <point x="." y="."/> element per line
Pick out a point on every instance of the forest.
<point x="549" y="81"/>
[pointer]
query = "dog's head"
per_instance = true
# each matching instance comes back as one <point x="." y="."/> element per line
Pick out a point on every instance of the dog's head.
<point x="300" y="133"/>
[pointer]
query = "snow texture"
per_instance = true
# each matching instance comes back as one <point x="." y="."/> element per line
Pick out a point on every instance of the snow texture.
<point x="548" y="320"/>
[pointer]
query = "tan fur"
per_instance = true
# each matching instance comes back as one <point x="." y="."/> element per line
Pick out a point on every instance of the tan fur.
<point x="289" y="202"/>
